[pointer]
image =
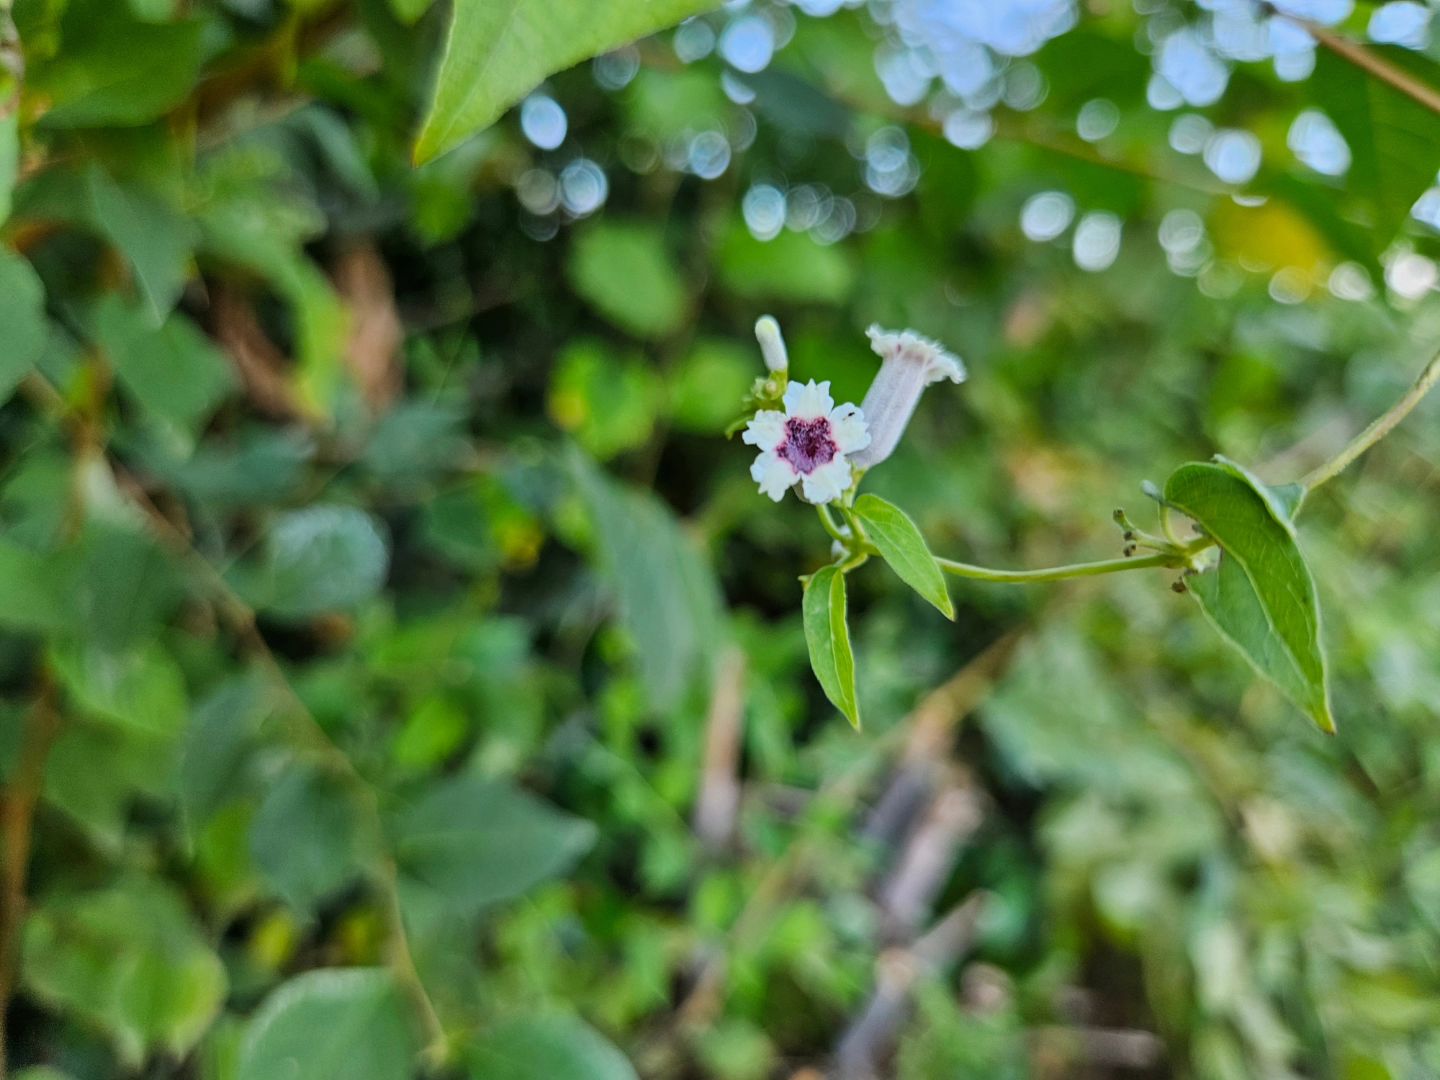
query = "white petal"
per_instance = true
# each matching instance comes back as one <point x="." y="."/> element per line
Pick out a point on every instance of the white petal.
<point x="946" y="365"/>
<point x="937" y="361"/>
<point x="828" y="482"/>
<point x="808" y="402"/>
<point x="886" y="343"/>
<point x="847" y="424"/>
<point x="766" y="428"/>
<point x="773" y="474"/>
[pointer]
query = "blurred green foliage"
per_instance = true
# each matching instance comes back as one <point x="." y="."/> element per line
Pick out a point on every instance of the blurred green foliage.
<point x="402" y="676"/>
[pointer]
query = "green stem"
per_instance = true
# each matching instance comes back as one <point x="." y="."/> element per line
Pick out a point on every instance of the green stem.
<point x="1382" y="426"/>
<point x="828" y="520"/>
<point x="1058" y="573"/>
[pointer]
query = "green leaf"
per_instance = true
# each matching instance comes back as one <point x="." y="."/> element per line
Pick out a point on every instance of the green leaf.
<point x="331" y="1023"/>
<point x="791" y="267"/>
<point x="409" y="11"/>
<point x="1391" y="136"/>
<point x="171" y="369"/>
<point x="471" y="842"/>
<point x="129" y="959"/>
<point x="154" y="238"/>
<point x="902" y="546"/>
<point x="218" y="747"/>
<point x="140" y="688"/>
<point x="1261" y="597"/>
<point x="498" y="50"/>
<point x="319" y="559"/>
<point x="828" y="637"/>
<point x="9" y="161"/>
<point x="96" y="771"/>
<point x="31" y="594"/>
<point x="309" y="836"/>
<point x="545" y="1047"/>
<point x="607" y="401"/>
<point x="22" y="314"/>
<point x="664" y="586"/>
<point x="115" y="70"/>
<point x="625" y="273"/>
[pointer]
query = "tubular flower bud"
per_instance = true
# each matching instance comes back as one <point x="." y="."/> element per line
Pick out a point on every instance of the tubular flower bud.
<point x="772" y="344"/>
<point x="908" y="364"/>
<point x="807" y="444"/>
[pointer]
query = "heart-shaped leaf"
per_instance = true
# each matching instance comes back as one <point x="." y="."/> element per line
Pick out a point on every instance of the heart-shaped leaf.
<point x="1261" y="596"/>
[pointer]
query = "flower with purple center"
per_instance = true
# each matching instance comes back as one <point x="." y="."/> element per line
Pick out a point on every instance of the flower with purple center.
<point x="806" y="444"/>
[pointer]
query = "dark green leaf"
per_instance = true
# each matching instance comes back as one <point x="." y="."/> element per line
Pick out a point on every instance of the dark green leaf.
<point x="32" y="595"/>
<point x="1261" y="597"/>
<point x="218" y="746"/>
<point x="309" y="837"/>
<point x="9" y="160"/>
<point x="320" y="559"/>
<point x="624" y="271"/>
<point x="172" y="369"/>
<point x="664" y="587"/>
<point x="545" y="1047"/>
<point x="332" y="1023"/>
<point x="903" y="547"/>
<point x="140" y="688"/>
<point x="153" y="236"/>
<point x="828" y="637"/>
<point x="22" y="314"/>
<point x="1392" y="138"/>
<point x="790" y="267"/>
<point x="130" y="959"/>
<point x="498" y="50"/>
<point x="97" y="770"/>
<point x="471" y="842"/>
<point x="115" y="69"/>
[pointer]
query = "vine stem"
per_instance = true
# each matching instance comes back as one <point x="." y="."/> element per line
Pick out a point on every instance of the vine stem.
<point x="1058" y="573"/>
<point x="1381" y="426"/>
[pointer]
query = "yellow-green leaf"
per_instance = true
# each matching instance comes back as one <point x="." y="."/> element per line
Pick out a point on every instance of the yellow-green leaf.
<point x="901" y="545"/>
<point x="499" y="50"/>
<point x="828" y="637"/>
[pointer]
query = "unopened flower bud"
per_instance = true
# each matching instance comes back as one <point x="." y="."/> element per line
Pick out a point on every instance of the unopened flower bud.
<point x="772" y="345"/>
<point x="908" y="364"/>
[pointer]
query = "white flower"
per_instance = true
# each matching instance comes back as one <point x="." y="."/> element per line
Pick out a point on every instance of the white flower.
<point x="772" y="345"/>
<point x="807" y="444"/>
<point x="908" y="364"/>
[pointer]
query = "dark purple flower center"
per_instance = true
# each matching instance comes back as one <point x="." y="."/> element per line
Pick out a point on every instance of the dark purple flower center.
<point x="808" y="444"/>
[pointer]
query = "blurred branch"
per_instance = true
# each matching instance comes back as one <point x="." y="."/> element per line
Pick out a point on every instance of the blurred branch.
<point x="937" y="712"/>
<point x="868" y="1041"/>
<point x="1354" y="53"/>
<point x="908" y="892"/>
<point x="1102" y="1048"/>
<point x="719" y="799"/>
<point x="17" y="817"/>
<point x="1378" y="429"/>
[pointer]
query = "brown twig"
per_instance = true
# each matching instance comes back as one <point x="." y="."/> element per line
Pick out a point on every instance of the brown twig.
<point x="908" y="892"/>
<point x="719" y="799"/>
<point x="17" y="818"/>
<point x="1354" y="53"/>
<point x="868" y="1041"/>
